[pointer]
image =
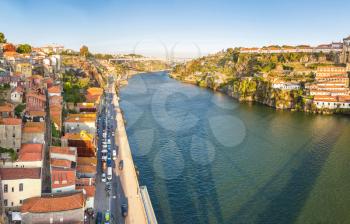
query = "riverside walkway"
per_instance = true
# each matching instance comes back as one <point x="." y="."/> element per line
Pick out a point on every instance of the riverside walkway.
<point x="129" y="182"/>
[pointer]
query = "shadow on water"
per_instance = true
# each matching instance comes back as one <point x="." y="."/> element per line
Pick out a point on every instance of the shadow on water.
<point x="285" y="205"/>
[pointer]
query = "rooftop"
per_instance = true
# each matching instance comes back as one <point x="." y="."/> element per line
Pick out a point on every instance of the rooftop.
<point x="54" y="89"/>
<point x="86" y="169"/>
<point x="63" y="150"/>
<point x="61" y="177"/>
<point x="20" y="173"/>
<point x="61" y="163"/>
<point x="34" y="127"/>
<point x="53" y="203"/>
<point x="87" y="161"/>
<point x="89" y="190"/>
<point x="30" y="152"/>
<point x="6" y="107"/>
<point x="84" y="136"/>
<point x="10" y="121"/>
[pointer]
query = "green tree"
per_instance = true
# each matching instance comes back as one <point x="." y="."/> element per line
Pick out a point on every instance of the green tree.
<point x="2" y="38"/>
<point x="19" y="109"/>
<point x="24" y="49"/>
<point x="84" y="51"/>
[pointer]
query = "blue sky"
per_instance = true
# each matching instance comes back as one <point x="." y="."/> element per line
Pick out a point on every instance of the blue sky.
<point x="154" y="27"/>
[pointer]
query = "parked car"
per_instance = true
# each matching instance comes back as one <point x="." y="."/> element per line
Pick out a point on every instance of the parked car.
<point x="99" y="218"/>
<point x="107" y="216"/>
<point x="121" y="164"/>
<point x="124" y="208"/>
<point x="103" y="177"/>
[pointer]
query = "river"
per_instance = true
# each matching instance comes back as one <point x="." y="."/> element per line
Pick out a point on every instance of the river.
<point x="206" y="158"/>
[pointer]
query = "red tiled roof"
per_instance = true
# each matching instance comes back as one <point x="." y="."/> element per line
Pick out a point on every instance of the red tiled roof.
<point x="86" y="169"/>
<point x="7" y="107"/>
<point x="54" y="203"/>
<point x="61" y="177"/>
<point x="38" y="96"/>
<point x="30" y="152"/>
<point x="61" y="163"/>
<point x="87" y="161"/>
<point x="90" y="190"/>
<point x="20" y="173"/>
<point x="11" y="121"/>
<point x="38" y="113"/>
<point x="54" y="89"/>
<point x="62" y="150"/>
<point x="34" y="127"/>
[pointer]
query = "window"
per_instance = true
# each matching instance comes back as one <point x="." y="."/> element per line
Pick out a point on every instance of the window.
<point x="5" y="188"/>
<point x="20" y="187"/>
<point x="5" y="202"/>
<point x="20" y="201"/>
<point x="13" y="189"/>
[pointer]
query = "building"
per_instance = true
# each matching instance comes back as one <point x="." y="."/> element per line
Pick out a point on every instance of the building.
<point x="285" y="85"/>
<point x="63" y="153"/>
<point x="87" y="107"/>
<point x="36" y="102"/>
<point x="93" y="95"/>
<point x="54" y="91"/>
<point x="332" y="102"/>
<point x="29" y="156"/>
<point x="89" y="192"/>
<point x="17" y="95"/>
<point x="345" y="56"/>
<point x="65" y="208"/>
<point x="19" y="184"/>
<point x="86" y="171"/>
<point x="62" y="178"/>
<point x="83" y="141"/>
<point x="33" y="132"/>
<point x="75" y="123"/>
<point x="6" y="110"/>
<point x="24" y="68"/>
<point x="10" y="133"/>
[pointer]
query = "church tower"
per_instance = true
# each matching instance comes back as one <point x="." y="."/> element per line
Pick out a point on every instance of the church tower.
<point x="346" y="50"/>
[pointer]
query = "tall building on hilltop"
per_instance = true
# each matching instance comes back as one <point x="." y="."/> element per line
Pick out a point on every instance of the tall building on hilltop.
<point x="345" y="57"/>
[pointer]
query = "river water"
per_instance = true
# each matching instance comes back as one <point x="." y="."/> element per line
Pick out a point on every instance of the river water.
<point x="206" y="158"/>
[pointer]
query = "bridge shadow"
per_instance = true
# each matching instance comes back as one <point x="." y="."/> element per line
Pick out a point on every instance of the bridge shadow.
<point x="285" y="205"/>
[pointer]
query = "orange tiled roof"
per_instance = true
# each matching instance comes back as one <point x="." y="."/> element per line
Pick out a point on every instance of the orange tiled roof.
<point x="7" y="107"/>
<point x="95" y="91"/>
<point x="53" y="203"/>
<point x="87" y="161"/>
<point x="20" y="173"/>
<point x="30" y="152"/>
<point x="11" y="121"/>
<point x="78" y="136"/>
<point x="54" y="89"/>
<point x="90" y="190"/>
<point x="61" y="163"/>
<point x="35" y="95"/>
<point x="34" y="127"/>
<point x="80" y="119"/>
<point x="86" y="169"/>
<point x="63" y="150"/>
<point x="37" y="113"/>
<point x="61" y="177"/>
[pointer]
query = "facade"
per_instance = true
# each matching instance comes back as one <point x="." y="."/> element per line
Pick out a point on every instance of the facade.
<point x="36" y="102"/>
<point x="75" y="123"/>
<point x="286" y="86"/>
<point x="24" y="68"/>
<point x="29" y="156"/>
<point x="19" y="184"/>
<point x="83" y="141"/>
<point x="33" y="132"/>
<point x="89" y="192"/>
<point x="62" y="179"/>
<point x="59" y="208"/>
<point x="64" y="153"/>
<point x="345" y="57"/>
<point x="54" y="91"/>
<point x="17" y="95"/>
<point x="332" y="102"/>
<point x="6" y="110"/>
<point x="10" y="133"/>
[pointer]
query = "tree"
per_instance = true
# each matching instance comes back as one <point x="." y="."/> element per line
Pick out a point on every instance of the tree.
<point x="9" y="48"/>
<point x="84" y="51"/>
<point x="24" y="49"/>
<point x="2" y="38"/>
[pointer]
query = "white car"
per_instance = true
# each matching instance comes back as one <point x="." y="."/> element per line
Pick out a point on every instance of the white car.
<point x="103" y="178"/>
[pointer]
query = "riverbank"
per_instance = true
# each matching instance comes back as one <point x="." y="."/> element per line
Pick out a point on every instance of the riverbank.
<point x="254" y="89"/>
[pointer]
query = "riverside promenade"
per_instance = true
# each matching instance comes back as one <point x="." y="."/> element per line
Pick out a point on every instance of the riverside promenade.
<point x="130" y="188"/>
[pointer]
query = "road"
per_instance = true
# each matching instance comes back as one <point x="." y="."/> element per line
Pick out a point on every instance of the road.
<point x="129" y="187"/>
<point x="107" y="200"/>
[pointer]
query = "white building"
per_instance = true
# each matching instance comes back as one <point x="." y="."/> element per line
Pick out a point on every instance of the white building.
<point x="19" y="184"/>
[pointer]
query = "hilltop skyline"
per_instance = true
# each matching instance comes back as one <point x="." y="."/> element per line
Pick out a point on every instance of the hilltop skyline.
<point x="153" y="29"/>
